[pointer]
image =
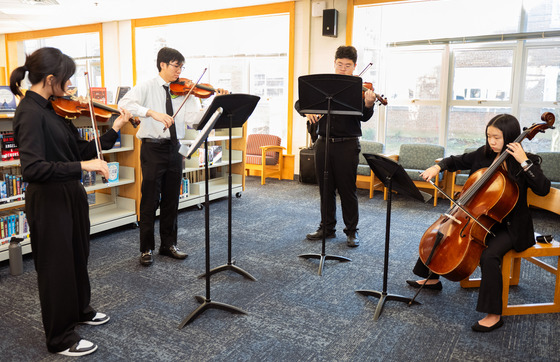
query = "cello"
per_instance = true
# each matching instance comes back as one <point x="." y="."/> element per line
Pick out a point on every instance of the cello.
<point x="452" y="246"/>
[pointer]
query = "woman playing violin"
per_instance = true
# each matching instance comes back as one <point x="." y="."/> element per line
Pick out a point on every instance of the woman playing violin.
<point x="52" y="159"/>
<point x="516" y="229"/>
<point x="159" y="157"/>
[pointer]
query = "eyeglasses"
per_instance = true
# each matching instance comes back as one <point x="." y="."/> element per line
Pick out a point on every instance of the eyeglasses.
<point x="176" y="66"/>
<point x="347" y="66"/>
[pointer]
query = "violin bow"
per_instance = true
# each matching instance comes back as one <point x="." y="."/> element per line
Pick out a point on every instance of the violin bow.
<point x="188" y="95"/>
<point x="94" y="122"/>
<point x="366" y="68"/>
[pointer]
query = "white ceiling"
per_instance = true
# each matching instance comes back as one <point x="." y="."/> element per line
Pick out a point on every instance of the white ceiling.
<point x="28" y="15"/>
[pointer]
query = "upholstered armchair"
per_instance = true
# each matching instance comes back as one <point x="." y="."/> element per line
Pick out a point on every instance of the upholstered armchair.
<point x="458" y="178"/>
<point x="264" y="155"/>
<point x="365" y="174"/>
<point x="418" y="157"/>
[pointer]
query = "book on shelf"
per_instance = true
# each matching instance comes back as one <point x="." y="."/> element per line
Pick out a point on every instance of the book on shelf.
<point x="13" y="223"/>
<point x="214" y="155"/>
<point x="113" y="171"/>
<point x="7" y="100"/>
<point x="121" y="91"/>
<point x="99" y="94"/>
<point x="8" y="146"/>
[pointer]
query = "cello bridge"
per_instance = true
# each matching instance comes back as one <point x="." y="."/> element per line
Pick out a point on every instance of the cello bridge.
<point x="453" y="218"/>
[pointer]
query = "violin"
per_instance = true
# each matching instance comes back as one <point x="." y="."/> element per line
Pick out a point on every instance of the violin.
<point x="68" y="107"/>
<point x="452" y="246"/>
<point x="183" y="86"/>
<point x="369" y="86"/>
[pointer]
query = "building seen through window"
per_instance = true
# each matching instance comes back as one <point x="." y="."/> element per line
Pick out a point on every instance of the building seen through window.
<point x="445" y="78"/>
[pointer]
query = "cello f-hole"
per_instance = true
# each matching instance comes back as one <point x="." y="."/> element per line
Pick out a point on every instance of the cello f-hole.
<point x="461" y="233"/>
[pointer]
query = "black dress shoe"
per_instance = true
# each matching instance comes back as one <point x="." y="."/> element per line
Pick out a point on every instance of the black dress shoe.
<point x="147" y="258"/>
<point x="173" y="252"/>
<point x="479" y="328"/>
<point x="352" y="239"/>
<point x="318" y="235"/>
<point x="415" y="284"/>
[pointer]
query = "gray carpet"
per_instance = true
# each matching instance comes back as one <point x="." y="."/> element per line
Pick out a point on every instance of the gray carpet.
<point x="293" y="314"/>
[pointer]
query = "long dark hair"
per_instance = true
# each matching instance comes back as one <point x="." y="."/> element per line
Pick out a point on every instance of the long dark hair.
<point x="40" y="64"/>
<point x="509" y="125"/>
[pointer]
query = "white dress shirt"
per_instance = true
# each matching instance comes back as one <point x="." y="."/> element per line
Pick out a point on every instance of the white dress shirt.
<point x="151" y="95"/>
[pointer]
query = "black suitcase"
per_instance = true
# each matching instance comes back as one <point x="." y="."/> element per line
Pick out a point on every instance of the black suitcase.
<point x="307" y="166"/>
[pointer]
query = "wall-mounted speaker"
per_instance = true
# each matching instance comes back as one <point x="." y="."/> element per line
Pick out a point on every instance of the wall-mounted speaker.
<point x="330" y="22"/>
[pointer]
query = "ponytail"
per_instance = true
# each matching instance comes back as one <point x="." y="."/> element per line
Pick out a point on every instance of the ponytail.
<point x="40" y="64"/>
<point x="15" y="80"/>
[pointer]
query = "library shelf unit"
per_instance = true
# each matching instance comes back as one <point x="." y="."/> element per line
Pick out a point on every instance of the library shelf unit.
<point x="108" y="207"/>
<point x="218" y="183"/>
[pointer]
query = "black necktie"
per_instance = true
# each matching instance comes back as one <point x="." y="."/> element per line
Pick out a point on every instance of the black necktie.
<point x="169" y="111"/>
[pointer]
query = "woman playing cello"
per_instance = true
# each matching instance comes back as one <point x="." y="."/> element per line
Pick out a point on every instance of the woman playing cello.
<point x="516" y="229"/>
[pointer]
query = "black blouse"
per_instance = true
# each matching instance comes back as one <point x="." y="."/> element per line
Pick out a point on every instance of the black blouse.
<point x="50" y="148"/>
<point x="518" y="222"/>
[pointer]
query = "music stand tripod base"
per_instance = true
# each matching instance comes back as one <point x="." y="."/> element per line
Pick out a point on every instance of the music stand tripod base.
<point x="383" y="297"/>
<point x="229" y="266"/>
<point x="322" y="258"/>
<point x="208" y="304"/>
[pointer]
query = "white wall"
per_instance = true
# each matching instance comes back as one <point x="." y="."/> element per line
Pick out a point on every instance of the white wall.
<point x="117" y="55"/>
<point x="314" y="53"/>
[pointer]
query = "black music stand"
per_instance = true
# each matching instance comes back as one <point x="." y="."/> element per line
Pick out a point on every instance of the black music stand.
<point x="329" y="94"/>
<point x="233" y="109"/>
<point x="394" y="177"/>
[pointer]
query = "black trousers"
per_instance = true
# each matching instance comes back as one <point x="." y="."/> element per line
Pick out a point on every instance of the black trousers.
<point x="58" y="217"/>
<point x="491" y="286"/>
<point x="342" y="171"/>
<point x="161" y="183"/>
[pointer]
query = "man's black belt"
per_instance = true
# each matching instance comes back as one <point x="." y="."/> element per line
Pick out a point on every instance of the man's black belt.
<point x="339" y="139"/>
<point x="161" y="141"/>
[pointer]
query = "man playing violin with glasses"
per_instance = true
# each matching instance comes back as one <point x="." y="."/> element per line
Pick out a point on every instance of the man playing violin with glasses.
<point x="160" y="159"/>
<point x="344" y="150"/>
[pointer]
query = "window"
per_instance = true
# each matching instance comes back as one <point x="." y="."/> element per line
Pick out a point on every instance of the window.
<point x="445" y="78"/>
<point x="236" y="57"/>
<point x="84" y="48"/>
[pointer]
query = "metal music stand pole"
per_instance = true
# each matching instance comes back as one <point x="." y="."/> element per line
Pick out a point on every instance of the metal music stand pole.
<point x="230" y="265"/>
<point x="329" y="94"/>
<point x="392" y="175"/>
<point x="220" y="107"/>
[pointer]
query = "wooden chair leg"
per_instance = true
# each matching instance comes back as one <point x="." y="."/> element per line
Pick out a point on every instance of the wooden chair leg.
<point x="515" y="271"/>
<point x="506" y="275"/>
<point x="371" y="181"/>
<point x="281" y="166"/>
